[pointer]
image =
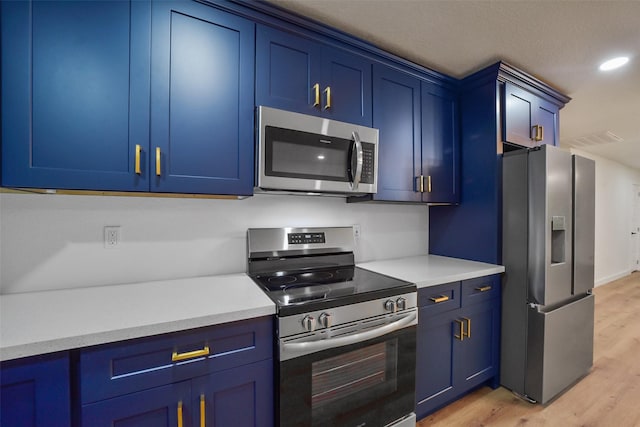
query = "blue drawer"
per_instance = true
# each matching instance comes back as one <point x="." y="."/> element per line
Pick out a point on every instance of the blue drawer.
<point x="480" y="289"/>
<point x="128" y="366"/>
<point x="440" y="298"/>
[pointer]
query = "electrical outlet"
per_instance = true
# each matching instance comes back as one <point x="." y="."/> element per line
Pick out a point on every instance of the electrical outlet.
<point x="111" y="236"/>
<point x="356" y="232"/>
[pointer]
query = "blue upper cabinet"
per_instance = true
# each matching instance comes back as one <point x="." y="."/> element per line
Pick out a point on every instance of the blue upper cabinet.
<point x="35" y="392"/>
<point x="418" y="146"/>
<point x="528" y="120"/>
<point x="440" y="145"/>
<point x="202" y="79"/>
<point x="396" y="113"/>
<point x="298" y="74"/>
<point x="75" y="79"/>
<point x="88" y="104"/>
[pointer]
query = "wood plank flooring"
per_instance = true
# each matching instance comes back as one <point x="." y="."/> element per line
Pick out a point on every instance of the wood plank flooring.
<point x="608" y="396"/>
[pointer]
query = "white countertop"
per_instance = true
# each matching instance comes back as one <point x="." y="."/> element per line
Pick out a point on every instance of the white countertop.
<point x="42" y="322"/>
<point x="431" y="270"/>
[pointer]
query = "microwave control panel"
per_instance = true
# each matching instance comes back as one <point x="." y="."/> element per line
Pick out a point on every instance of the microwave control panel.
<point x="368" y="156"/>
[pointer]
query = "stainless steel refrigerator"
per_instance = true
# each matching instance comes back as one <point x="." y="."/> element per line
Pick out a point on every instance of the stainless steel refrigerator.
<point x="547" y="250"/>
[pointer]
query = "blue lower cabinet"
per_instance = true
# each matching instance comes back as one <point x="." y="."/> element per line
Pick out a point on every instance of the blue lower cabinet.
<point x="434" y="361"/>
<point x="35" y="392"/>
<point x="478" y="358"/>
<point x="458" y="348"/>
<point x="219" y="375"/>
<point x="240" y="397"/>
<point x="166" y="406"/>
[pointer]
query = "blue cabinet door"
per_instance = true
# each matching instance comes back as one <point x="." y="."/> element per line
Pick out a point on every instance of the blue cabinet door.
<point x="301" y="75"/>
<point x="75" y="81"/>
<point x="435" y="382"/>
<point x="440" y="144"/>
<point x="201" y="100"/>
<point x="288" y="68"/>
<point x="346" y="95"/>
<point x="396" y="113"/>
<point x="166" y="406"/>
<point x="478" y="358"/>
<point x="528" y="120"/>
<point x="240" y="396"/>
<point x="35" y="392"/>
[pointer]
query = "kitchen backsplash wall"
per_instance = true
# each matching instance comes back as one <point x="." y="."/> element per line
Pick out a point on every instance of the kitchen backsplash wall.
<point x="56" y="241"/>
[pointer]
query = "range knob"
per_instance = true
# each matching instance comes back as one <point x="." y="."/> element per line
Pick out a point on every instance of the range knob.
<point x="390" y="305"/>
<point x="401" y="303"/>
<point x="326" y="320"/>
<point x="309" y="323"/>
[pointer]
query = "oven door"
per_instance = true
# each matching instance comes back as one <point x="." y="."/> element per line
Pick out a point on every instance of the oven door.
<point x="368" y="383"/>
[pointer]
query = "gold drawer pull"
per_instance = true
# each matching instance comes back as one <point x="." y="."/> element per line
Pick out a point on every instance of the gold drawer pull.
<point x="441" y="298"/>
<point x="484" y="288"/>
<point x="176" y="357"/>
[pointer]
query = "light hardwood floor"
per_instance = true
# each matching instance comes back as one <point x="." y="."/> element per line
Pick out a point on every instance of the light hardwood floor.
<point x="608" y="396"/>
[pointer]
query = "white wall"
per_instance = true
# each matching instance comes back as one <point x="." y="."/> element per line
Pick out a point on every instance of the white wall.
<point x="614" y="209"/>
<point x="56" y="241"/>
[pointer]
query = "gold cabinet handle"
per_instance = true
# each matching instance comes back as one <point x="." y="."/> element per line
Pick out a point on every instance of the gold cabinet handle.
<point x="483" y="288"/>
<point x="327" y="92"/>
<point x="420" y="184"/>
<point x="468" y="333"/>
<point x="158" y="172"/>
<point x="316" y="89"/>
<point x="441" y="298"/>
<point x="137" y="161"/>
<point x="180" y="414"/>
<point x="429" y="184"/>
<point x="176" y="357"/>
<point x="538" y="133"/>
<point x="462" y="333"/>
<point x="203" y="417"/>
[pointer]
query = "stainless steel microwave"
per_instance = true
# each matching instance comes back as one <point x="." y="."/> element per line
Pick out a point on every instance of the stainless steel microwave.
<point x="302" y="153"/>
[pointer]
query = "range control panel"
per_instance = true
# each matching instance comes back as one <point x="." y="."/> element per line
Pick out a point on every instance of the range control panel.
<point x="305" y="238"/>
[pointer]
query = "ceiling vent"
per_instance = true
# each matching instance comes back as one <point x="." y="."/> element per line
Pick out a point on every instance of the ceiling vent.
<point x="599" y="138"/>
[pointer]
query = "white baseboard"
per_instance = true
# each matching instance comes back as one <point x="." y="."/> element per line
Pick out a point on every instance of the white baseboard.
<point x="611" y="278"/>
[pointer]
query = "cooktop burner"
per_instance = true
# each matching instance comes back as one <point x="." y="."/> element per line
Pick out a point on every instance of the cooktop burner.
<point x="297" y="292"/>
<point x="301" y="272"/>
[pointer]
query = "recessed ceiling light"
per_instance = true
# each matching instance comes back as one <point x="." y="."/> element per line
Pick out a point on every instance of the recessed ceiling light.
<point x="614" y="63"/>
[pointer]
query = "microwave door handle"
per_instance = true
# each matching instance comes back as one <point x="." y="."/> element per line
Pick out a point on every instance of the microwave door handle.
<point x="357" y="146"/>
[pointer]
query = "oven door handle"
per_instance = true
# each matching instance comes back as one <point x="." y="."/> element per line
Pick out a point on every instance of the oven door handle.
<point x="294" y="349"/>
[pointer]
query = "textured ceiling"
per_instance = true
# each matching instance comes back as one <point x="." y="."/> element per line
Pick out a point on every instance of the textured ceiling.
<point x="561" y="42"/>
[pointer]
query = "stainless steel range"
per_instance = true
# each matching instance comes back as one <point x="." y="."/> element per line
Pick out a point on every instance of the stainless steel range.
<point x="346" y="337"/>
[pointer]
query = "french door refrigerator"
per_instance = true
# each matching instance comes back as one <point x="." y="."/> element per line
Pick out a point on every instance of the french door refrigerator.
<point x="547" y="250"/>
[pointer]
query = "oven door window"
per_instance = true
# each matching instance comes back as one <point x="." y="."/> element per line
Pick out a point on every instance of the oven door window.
<point x="370" y="383"/>
<point x="296" y="154"/>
